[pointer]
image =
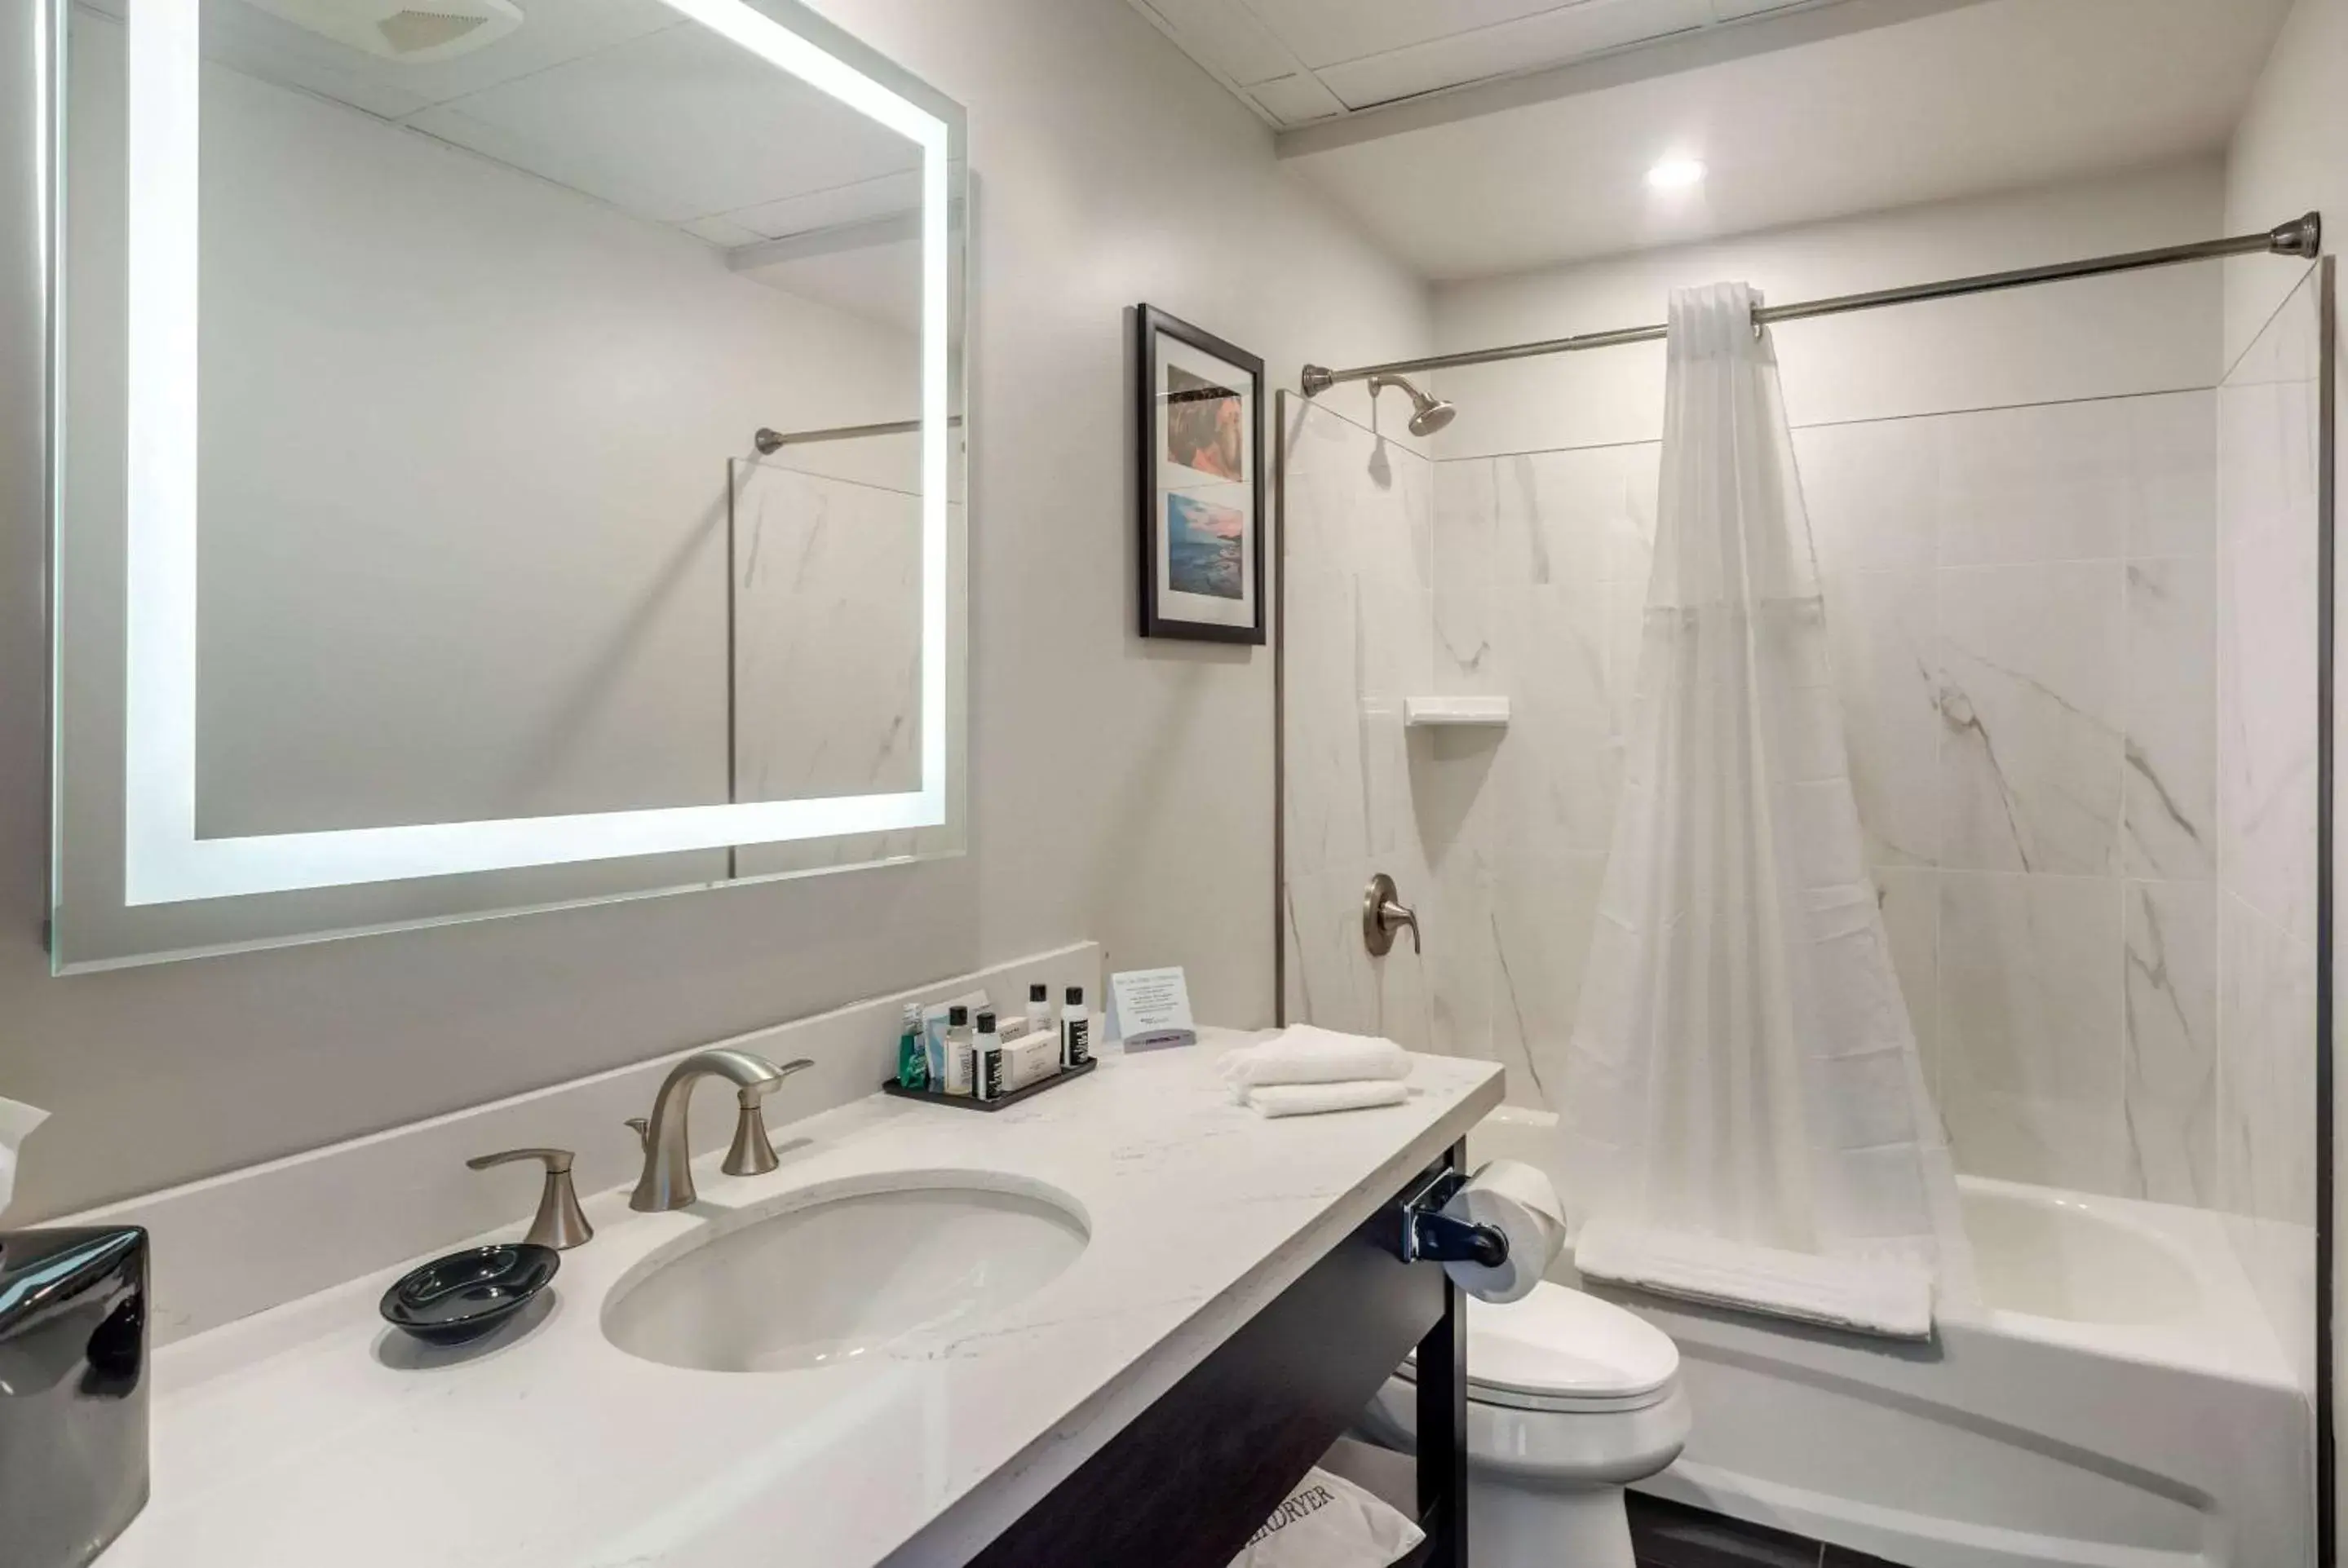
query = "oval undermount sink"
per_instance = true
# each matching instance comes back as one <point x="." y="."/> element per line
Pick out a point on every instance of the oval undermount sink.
<point x="845" y="1272"/>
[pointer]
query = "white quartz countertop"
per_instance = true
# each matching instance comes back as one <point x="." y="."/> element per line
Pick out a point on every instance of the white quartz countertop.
<point x="313" y="1433"/>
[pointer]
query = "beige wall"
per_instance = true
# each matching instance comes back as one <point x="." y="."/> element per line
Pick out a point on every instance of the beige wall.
<point x="1120" y="789"/>
<point x="2289" y="154"/>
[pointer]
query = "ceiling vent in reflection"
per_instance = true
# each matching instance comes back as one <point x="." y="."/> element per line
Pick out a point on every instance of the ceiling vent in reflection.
<point x="394" y="30"/>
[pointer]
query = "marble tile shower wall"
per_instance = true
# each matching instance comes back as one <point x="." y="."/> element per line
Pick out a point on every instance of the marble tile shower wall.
<point x="2268" y="426"/>
<point x="2024" y="607"/>
<point x="1357" y="561"/>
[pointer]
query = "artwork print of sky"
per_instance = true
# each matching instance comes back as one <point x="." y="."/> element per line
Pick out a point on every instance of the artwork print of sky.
<point x="1203" y="542"/>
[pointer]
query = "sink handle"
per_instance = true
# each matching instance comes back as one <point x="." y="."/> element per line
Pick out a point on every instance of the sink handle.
<point x="753" y="1154"/>
<point x="560" y="1222"/>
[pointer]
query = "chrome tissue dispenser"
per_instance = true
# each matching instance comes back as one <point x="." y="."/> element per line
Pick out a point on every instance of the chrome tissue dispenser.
<point x="73" y="1391"/>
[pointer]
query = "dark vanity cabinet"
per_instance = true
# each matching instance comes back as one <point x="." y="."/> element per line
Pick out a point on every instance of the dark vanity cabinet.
<point x="1190" y="1479"/>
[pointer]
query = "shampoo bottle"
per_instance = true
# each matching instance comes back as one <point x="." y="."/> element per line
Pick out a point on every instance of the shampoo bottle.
<point x="1075" y="1031"/>
<point x="986" y="1060"/>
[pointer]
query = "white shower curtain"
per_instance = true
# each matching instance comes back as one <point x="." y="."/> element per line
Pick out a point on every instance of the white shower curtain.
<point x="1743" y="1067"/>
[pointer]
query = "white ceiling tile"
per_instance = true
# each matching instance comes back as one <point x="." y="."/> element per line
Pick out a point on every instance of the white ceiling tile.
<point x="552" y="32"/>
<point x="1325" y="32"/>
<point x="1225" y="36"/>
<point x="721" y="231"/>
<point x="1299" y="100"/>
<point x="1970" y="99"/>
<point x="1552" y="38"/>
<point x="1738" y="10"/>
<point x="828" y="209"/>
<point x="673" y="127"/>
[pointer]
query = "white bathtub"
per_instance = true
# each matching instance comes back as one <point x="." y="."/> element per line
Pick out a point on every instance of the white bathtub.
<point x="2119" y="1402"/>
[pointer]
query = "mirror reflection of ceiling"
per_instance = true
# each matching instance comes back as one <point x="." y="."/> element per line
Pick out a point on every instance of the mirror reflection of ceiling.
<point x="629" y="103"/>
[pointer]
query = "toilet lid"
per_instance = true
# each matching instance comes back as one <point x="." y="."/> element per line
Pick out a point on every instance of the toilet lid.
<point x="1558" y="1349"/>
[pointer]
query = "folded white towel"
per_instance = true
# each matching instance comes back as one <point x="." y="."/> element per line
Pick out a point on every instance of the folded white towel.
<point x="1304" y="1054"/>
<point x="1311" y="1098"/>
<point x="1884" y="1297"/>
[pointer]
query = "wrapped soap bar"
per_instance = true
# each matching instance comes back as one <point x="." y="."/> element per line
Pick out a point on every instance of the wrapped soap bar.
<point x="1031" y="1059"/>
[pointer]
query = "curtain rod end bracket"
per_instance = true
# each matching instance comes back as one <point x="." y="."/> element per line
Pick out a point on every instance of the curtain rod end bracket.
<point x="2302" y="237"/>
<point x="1317" y="380"/>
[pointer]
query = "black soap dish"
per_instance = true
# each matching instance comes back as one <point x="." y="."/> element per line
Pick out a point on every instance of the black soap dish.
<point x="972" y="1102"/>
<point x="462" y="1297"/>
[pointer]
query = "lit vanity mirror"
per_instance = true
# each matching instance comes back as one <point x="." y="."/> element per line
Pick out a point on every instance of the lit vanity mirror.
<point x="510" y="454"/>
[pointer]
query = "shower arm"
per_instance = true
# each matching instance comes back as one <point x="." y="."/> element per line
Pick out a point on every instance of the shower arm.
<point x="2302" y="237"/>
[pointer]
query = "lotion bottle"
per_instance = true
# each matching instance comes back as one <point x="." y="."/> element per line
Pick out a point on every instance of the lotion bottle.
<point x="958" y="1044"/>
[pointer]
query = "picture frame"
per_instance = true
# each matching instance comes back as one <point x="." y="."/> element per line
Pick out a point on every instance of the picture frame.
<point x="1200" y="411"/>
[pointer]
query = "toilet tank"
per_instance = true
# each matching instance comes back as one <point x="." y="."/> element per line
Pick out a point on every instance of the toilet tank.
<point x="1518" y="1132"/>
<point x="1515" y="1132"/>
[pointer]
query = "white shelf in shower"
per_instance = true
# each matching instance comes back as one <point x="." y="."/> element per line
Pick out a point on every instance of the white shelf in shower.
<point x="1419" y="712"/>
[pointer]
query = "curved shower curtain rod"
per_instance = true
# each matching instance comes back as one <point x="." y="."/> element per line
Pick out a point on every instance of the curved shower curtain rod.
<point x="2302" y="237"/>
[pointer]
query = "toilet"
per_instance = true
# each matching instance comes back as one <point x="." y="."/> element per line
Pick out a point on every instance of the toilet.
<point x="1569" y="1399"/>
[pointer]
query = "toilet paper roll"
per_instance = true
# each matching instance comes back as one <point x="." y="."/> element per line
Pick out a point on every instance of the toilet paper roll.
<point x="17" y="1121"/>
<point x="1520" y="1203"/>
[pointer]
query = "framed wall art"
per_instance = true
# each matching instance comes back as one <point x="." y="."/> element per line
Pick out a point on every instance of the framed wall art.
<point x="1200" y="406"/>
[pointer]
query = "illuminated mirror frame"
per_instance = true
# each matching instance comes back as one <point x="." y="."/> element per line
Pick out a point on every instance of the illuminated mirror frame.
<point x="164" y="861"/>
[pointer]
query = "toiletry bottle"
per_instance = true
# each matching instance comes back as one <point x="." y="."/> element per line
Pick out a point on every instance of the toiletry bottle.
<point x="986" y="1060"/>
<point x="913" y="1057"/>
<point x="1039" y="1008"/>
<point x="958" y="1044"/>
<point x="1075" y="1031"/>
<point x="933" y="1044"/>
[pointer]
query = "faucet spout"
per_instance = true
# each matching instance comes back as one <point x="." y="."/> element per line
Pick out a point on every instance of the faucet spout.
<point x="667" y="1180"/>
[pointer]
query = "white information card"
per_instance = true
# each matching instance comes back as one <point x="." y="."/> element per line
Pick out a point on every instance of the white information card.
<point x="1150" y="1008"/>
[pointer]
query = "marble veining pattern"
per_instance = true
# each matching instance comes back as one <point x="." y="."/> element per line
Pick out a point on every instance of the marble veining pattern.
<point x="299" y="1427"/>
<point x="828" y="636"/>
<point x="2029" y="697"/>
<point x="2170" y="1070"/>
<point x="2168" y="809"/>
<point x="2266" y="433"/>
<point x="2037" y="623"/>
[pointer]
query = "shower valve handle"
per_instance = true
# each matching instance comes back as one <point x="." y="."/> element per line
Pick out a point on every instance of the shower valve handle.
<point x="1383" y="914"/>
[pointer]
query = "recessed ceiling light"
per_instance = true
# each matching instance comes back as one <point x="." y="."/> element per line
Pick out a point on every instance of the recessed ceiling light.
<point x="1675" y="174"/>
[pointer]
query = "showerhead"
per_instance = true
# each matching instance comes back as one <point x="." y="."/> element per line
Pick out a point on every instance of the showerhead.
<point x="1428" y="414"/>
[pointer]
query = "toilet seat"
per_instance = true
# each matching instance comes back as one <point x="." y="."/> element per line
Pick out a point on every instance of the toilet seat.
<point x="1562" y="1349"/>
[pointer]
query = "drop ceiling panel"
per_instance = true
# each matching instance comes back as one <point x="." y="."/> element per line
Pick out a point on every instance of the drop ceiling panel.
<point x="674" y="127"/>
<point x="1298" y="61"/>
<point x="552" y="32"/>
<point x="1299" y="100"/>
<point x="836" y="205"/>
<point x="1225" y="36"/>
<point x="1330" y="32"/>
<point x="1979" y="98"/>
<point x="1569" y="33"/>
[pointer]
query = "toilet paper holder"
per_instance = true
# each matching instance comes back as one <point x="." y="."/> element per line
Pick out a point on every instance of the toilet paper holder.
<point x="1424" y="1233"/>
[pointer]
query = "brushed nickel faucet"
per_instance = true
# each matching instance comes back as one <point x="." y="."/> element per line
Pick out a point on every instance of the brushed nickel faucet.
<point x="667" y="1181"/>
